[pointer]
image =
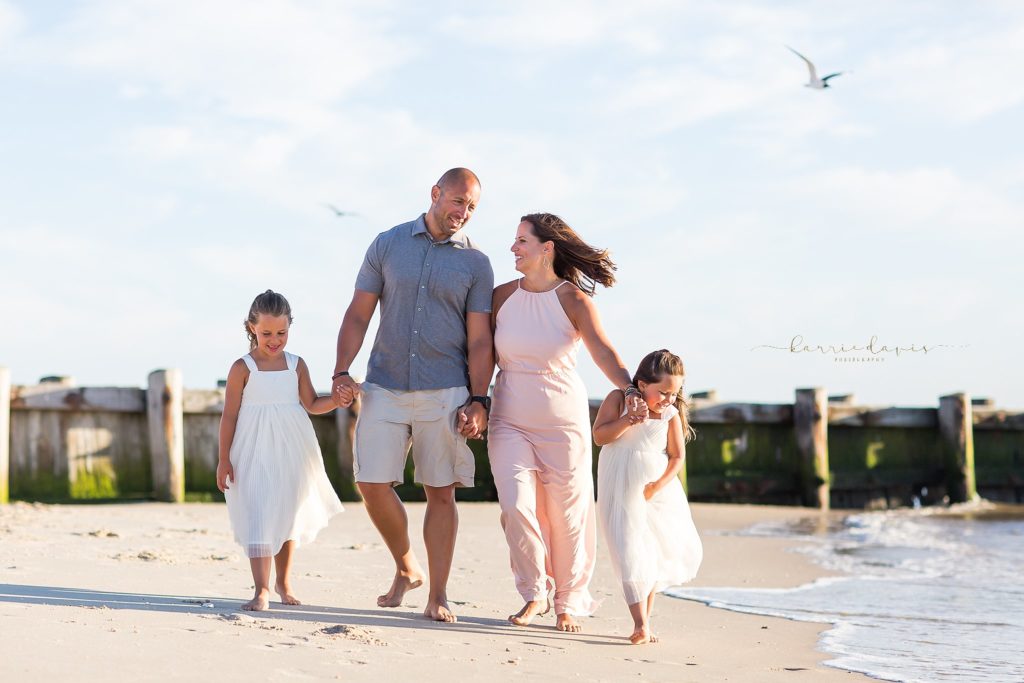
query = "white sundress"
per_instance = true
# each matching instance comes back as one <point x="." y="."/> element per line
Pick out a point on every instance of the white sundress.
<point x="653" y="543"/>
<point x="280" y="490"/>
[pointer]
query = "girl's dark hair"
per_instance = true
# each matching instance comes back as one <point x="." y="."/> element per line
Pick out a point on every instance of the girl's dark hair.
<point x="575" y="260"/>
<point x="656" y="366"/>
<point x="268" y="303"/>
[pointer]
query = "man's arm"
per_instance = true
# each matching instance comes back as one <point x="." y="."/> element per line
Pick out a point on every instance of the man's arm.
<point x="350" y="340"/>
<point x="480" y="347"/>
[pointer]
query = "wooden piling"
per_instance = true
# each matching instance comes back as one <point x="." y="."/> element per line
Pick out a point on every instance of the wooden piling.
<point x="956" y="424"/>
<point x="5" y="434"/>
<point x="165" y="415"/>
<point x="810" y="420"/>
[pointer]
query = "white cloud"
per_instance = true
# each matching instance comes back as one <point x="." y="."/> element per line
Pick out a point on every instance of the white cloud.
<point x="11" y="21"/>
<point x="964" y="77"/>
<point x="250" y="59"/>
<point x="933" y="201"/>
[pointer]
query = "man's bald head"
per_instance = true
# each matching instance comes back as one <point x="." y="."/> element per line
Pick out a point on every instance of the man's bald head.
<point x="452" y="202"/>
<point x="457" y="176"/>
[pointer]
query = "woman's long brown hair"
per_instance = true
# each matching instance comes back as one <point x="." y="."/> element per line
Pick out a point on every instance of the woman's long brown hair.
<point x="575" y="260"/>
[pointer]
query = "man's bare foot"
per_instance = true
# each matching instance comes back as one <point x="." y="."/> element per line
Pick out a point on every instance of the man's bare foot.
<point x="642" y="634"/>
<point x="285" y="592"/>
<point x="439" y="611"/>
<point x="260" y="602"/>
<point x="403" y="583"/>
<point x="533" y="608"/>
<point x="567" y="623"/>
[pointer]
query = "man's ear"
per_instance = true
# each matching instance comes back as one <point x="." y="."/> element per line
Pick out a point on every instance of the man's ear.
<point x="435" y="194"/>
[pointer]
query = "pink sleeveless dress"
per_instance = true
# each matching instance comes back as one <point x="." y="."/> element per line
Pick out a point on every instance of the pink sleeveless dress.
<point x="540" y="452"/>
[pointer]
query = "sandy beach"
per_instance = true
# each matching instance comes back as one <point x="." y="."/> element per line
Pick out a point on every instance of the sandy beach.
<point x="150" y="591"/>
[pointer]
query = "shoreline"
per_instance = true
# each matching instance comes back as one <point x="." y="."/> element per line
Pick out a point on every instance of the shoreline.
<point x="151" y="591"/>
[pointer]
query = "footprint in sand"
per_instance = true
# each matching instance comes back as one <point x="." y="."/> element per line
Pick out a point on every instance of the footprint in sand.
<point x="104" y="533"/>
<point x="244" y="620"/>
<point x="356" y="633"/>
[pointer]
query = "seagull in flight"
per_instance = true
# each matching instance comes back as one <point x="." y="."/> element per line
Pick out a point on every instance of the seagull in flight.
<point x="815" y="82"/>
<point x="339" y="213"/>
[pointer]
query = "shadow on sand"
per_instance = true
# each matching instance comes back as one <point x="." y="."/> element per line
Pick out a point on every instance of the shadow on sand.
<point x="226" y="608"/>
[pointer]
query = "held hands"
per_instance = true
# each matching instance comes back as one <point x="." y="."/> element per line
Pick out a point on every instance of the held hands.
<point x="344" y="390"/>
<point x="224" y="472"/>
<point x="636" y="410"/>
<point x="472" y="420"/>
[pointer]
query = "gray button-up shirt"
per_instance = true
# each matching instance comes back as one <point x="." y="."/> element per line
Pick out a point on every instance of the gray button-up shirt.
<point x="425" y="289"/>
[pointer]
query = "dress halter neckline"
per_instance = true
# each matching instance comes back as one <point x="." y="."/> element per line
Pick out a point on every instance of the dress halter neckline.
<point x="519" y="286"/>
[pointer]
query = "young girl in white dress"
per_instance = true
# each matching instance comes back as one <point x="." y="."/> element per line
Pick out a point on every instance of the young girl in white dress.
<point x="642" y="508"/>
<point x="270" y="467"/>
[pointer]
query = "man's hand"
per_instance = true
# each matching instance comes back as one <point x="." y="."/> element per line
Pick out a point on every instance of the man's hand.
<point x="472" y="420"/>
<point x="344" y="390"/>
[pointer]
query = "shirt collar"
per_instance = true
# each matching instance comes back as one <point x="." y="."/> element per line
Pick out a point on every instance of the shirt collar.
<point x="419" y="227"/>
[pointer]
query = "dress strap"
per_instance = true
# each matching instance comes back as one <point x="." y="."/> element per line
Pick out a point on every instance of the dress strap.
<point x="292" y="360"/>
<point x="563" y="282"/>
<point x="250" y="363"/>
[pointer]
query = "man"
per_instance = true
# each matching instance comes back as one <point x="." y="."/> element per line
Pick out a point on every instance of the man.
<point x="427" y="377"/>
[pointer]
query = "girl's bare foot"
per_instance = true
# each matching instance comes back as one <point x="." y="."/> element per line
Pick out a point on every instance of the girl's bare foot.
<point x="438" y="611"/>
<point x="533" y="608"/>
<point x="403" y="583"/>
<point x="285" y="592"/>
<point x="567" y="623"/>
<point x="260" y="601"/>
<point x="642" y="634"/>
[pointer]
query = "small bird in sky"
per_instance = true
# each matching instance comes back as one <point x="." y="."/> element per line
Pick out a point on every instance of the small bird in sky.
<point x="339" y="213"/>
<point x="815" y="82"/>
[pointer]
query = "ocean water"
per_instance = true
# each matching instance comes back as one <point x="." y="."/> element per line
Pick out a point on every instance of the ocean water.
<point x="927" y="595"/>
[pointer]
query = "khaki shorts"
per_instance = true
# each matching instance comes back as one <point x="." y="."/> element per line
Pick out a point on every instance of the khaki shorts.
<point x="389" y="420"/>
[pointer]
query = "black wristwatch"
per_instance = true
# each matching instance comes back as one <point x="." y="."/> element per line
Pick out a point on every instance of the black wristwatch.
<point x="485" y="401"/>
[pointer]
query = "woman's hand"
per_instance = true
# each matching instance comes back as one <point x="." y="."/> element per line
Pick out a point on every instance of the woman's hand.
<point x="636" y="409"/>
<point x="650" y="488"/>
<point x="224" y="472"/>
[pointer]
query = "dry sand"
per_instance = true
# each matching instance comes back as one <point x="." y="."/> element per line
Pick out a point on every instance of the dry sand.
<point x="150" y="591"/>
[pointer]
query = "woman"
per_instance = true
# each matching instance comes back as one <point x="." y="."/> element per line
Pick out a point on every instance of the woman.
<point x="539" y="428"/>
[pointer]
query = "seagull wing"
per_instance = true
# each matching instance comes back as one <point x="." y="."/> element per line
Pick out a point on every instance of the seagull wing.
<point x="838" y="73"/>
<point x="810" y="67"/>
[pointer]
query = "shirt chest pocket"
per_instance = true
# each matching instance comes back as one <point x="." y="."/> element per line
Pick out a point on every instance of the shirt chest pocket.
<point x="450" y="286"/>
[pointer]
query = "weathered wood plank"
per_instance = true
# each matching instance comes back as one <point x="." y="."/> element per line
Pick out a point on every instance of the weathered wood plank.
<point x="868" y="416"/>
<point x="758" y="413"/>
<point x="78" y="399"/>
<point x="203" y="401"/>
<point x="994" y="418"/>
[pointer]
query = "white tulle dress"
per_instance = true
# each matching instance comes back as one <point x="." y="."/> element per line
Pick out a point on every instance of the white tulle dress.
<point x="653" y="543"/>
<point x="280" y="490"/>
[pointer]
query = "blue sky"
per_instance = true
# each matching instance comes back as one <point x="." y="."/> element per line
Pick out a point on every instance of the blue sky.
<point x="163" y="162"/>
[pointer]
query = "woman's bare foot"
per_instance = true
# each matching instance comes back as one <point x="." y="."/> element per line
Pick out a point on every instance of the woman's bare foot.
<point x="438" y="611"/>
<point x="285" y="592"/>
<point x="642" y="634"/>
<point x="260" y="601"/>
<point x="533" y="608"/>
<point x="566" y="622"/>
<point x="403" y="583"/>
